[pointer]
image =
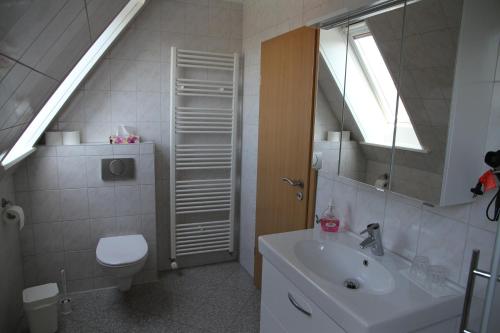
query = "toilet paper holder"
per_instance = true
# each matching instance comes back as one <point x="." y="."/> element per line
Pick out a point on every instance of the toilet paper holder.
<point x="6" y="204"/>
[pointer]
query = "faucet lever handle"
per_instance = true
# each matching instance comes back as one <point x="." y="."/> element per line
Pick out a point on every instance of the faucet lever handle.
<point x="370" y="228"/>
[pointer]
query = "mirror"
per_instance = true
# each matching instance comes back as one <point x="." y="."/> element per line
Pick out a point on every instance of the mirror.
<point x="358" y="75"/>
<point x="428" y="67"/>
<point x="383" y="109"/>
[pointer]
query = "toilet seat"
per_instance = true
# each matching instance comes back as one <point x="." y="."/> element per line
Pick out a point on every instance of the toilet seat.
<point x="121" y="250"/>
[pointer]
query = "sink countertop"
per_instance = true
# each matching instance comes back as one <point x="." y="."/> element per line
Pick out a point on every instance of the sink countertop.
<point x="404" y="309"/>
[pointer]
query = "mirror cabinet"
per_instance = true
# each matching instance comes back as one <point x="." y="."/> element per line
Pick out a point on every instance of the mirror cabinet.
<point x="398" y="106"/>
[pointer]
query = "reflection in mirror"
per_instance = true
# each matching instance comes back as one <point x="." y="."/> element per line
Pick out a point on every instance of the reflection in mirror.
<point x="367" y="111"/>
<point x="329" y="99"/>
<point x="428" y="65"/>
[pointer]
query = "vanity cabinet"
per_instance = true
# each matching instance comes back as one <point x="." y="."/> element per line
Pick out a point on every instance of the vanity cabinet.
<point x="279" y="314"/>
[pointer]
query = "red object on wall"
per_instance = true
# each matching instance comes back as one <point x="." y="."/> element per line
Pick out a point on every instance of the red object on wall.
<point x="488" y="180"/>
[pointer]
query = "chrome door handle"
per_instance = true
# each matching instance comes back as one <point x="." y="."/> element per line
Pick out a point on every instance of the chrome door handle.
<point x="297" y="306"/>
<point x="291" y="182"/>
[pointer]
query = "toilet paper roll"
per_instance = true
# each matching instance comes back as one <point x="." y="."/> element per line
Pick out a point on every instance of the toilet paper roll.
<point x="333" y="136"/>
<point x="53" y="138"/>
<point x="14" y="214"/>
<point x="71" y="138"/>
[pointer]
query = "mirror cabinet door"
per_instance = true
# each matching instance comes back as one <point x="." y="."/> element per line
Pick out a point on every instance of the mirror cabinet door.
<point x="358" y="76"/>
<point x="329" y="98"/>
<point x="370" y="95"/>
<point x="427" y="71"/>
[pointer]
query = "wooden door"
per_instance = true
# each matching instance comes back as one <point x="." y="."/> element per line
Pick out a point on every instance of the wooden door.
<point x="286" y="126"/>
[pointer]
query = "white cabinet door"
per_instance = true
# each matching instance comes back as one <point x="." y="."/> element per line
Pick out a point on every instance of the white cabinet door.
<point x="290" y="307"/>
<point x="269" y="324"/>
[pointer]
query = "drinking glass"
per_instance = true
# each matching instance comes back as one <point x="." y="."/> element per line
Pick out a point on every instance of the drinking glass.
<point x="436" y="277"/>
<point x="419" y="267"/>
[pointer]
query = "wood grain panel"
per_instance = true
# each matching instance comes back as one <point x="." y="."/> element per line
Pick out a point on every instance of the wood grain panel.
<point x="286" y="125"/>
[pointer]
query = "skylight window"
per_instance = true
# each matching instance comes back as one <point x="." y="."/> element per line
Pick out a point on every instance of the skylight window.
<point x="370" y="92"/>
<point x="25" y="144"/>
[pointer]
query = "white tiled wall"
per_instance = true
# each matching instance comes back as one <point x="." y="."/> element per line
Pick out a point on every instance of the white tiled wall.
<point x="69" y="207"/>
<point x="11" y="272"/>
<point x="131" y="85"/>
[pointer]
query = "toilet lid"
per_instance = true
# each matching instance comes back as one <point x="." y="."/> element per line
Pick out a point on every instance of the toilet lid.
<point x="121" y="250"/>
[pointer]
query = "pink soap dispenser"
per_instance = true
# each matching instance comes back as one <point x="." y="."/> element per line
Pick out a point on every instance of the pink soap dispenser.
<point x="328" y="221"/>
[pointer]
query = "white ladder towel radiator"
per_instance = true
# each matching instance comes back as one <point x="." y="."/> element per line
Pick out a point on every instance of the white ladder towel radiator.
<point x="201" y="204"/>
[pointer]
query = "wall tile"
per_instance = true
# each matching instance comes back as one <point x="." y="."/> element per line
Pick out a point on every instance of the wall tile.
<point x="42" y="173"/>
<point x="127" y="200"/>
<point x="101" y="202"/>
<point x="126" y="149"/>
<point x="79" y="265"/>
<point x="97" y="132"/>
<point x="149" y="76"/>
<point x="148" y="198"/>
<point x="45" y="206"/>
<point x="70" y="151"/>
<point x="27" y="240"/>
<point x="97" y="106"/>
<point x="149" y="131"/>
<point x="146" y="170"/>
<point x="123" y="75"/>
<point x="128" y="225"/>
<point x="49" y="267"/>
<point x="30" y="271"/>
<point x="23" y="199"/>
<point x="21" y="177"/>
<point x="344" y="200"/>
<point x="74" y="204"/>
<point x="173" y="15"/>
<point x="123" y="106"/>
<point x="443" y="241"/>
<point x="76" y="235"/>
<point x="99" y="150"/>
<point x="72" y="172"/>
<point x="93" y="167"/>
<point x="104" y="227"/>
<point x="370" y="208"/>
<point x="48" y="237"/>
<point x="149" y="106"/>
<point x="149" y="46"/>
<point x="401" y="228"/>
<point x="197" y="16"/>
<point x="148" y="227"/>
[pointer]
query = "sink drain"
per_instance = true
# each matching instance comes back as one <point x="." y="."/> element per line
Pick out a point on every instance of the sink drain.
<point x="351" y="284"/>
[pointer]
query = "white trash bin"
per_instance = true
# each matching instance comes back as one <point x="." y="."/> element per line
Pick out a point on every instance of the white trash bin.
<point x="40" y="304"/>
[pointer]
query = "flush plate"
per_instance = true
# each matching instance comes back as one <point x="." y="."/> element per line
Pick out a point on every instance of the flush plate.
<point x="117" y="168"/>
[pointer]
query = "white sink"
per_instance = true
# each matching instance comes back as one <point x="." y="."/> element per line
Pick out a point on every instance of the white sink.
<point x="344" y="266"/>
<point x="319" y="263"/>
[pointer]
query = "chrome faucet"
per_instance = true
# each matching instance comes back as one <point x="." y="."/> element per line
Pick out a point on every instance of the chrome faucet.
<point x="374" y="240"/>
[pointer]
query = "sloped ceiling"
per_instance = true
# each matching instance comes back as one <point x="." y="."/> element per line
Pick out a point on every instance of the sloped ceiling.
<point x="40" y="42"/>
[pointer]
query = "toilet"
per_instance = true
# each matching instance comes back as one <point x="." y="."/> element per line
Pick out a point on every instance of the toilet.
<point x="122" y="257"/>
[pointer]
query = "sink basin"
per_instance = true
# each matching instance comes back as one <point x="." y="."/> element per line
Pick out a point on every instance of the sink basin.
<point x="344" y="266"/>
<point x="319" y="264"/>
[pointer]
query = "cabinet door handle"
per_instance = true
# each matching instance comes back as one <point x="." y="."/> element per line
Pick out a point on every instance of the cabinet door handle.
<point x="297" y="305"/>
